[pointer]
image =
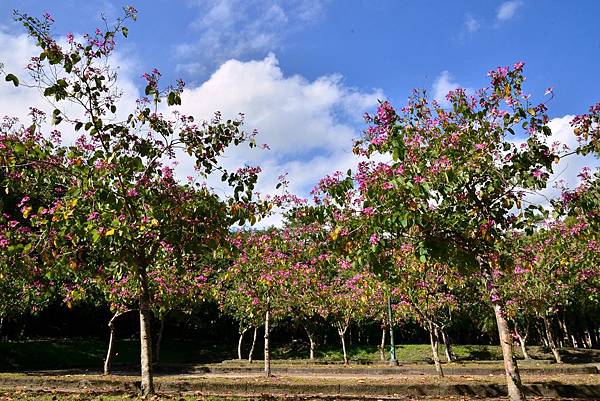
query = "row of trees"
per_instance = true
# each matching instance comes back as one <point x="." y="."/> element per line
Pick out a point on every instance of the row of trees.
<point x="434" y="218"/>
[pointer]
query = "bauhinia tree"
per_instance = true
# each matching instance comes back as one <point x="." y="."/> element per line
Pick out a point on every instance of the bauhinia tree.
<point x="120" y="200"/>
<point x="25" y="188"/>
<point x="451" y="177"/>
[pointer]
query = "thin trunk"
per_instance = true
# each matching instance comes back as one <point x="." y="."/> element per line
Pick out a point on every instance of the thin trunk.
<point x="242" y="332"/>
<point x="542" y="336"/>
<point x="111" y="339"/>
<point x="433" y="338"/>
<point x="522" y="336"/>
<point x="159" y="340"/>
<point x="513" y="378"/>
<point x="311" y="342"/>
<point x="551" y="340"/>
<point x="393" y="359"/>
<point x="147" y="387"/>
<point x="587" y="338"/>
<point x="267" y="354"/>
<point x="251" y="353"/>
<point x="523" y="345"/>
<point x="594" y="336"/>
<point x="576" y="343"/>
<point x="342" y="333"/>
<point x="1" y="324"/>
<point x="450" y="356"/>
<point x="566" y="333"/>
<point x="382" y="344"/>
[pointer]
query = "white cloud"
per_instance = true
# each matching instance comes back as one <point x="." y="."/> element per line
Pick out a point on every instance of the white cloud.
<point x="309" y="125"/>
<point x="443" y="84"/>
<point x="507" y="10"/>
<point x="16" y="52"/>
<point x="565" y="172"/>
<point x="237" y="29"/>
<point x="472" y="24"/>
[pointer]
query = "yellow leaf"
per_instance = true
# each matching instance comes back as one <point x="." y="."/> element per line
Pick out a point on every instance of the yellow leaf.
<point x="110" y="232"/>
<point x="26" y="211"/>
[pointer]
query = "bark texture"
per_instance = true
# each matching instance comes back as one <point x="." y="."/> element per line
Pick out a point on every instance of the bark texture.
<point x="433" y="339"/>
<point x="147" y="387"/>
<point x="551" y="339"/>
<point x="382" y="344"/>
<point x="239" y="349"/>
<point x="513" y="378"/>
<point x="251" y="353"/>
<point x="450" y="356"/>
<point x="342" y="334"/>
<point x="267" y="353"/>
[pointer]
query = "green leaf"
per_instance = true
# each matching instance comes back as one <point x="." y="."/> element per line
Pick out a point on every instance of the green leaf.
<point x="171" y="100"/>
<point x="125" y="31"/>
<point x="12" y="78"/>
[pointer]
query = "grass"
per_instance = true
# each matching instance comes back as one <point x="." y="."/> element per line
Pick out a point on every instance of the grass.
<point x="89" y="354"/>
<point x="422" y="353"/>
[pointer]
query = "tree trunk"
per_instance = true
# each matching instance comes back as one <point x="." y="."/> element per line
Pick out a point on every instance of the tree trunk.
<point x="251" y="353"/>
<point x="433" y="339"/>
<point x="267" y="354"/>
<point x="513" y="378"/>
<point x="393" y="359"/>
<point x="551" y="340"/>
<point x="450" y="356"/>
<point x="1" y="324"/>
<point x="382" y="344"/>
<point x="311" y="342"/>
<point x="242" y="332"/>
<point x="594" y="335"/>
<point x="342" y="333"/>
<point x="542" y="336"/>
<point x="522" y="336"/>
<point x="145" y="335"/>
<point x="565" y="332"/>
<point x="159" y="340"/>
<point x="111" y="339"/>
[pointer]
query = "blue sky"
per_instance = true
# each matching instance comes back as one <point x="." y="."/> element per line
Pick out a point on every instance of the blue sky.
<point x="392" y="45"/>
<point x="340" y="56"/>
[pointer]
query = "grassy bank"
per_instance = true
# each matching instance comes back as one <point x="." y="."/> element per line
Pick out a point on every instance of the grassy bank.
<point x="89" y="354"/>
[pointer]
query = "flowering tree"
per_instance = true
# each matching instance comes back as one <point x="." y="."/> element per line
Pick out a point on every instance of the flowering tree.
<point x="26" y="188"/>
<point x="430" y="291"/>
<point x="452" y="176"/>
<point x="260" y="283"/>
<point x="120" y="198"/>
<point x="548" y="268"/>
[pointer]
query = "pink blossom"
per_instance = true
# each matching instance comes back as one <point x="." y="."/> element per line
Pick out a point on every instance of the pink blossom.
<point x="369" y="211"/>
